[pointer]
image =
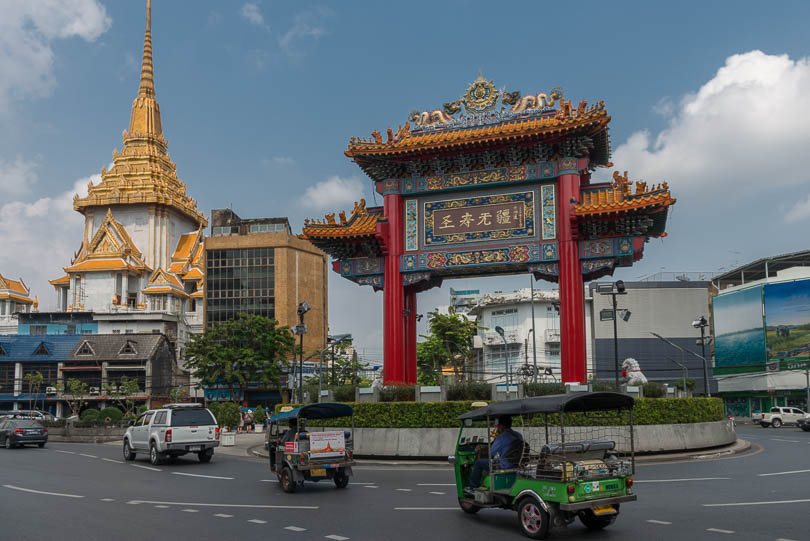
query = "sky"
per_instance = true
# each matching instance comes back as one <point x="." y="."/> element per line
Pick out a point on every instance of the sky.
<point x="259" y="100"/>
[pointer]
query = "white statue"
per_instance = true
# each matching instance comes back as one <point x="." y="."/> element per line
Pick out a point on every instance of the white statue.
<point x="631" y="372"/>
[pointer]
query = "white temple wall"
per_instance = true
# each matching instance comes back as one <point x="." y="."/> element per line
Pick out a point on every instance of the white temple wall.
<point x="98" y="290"/>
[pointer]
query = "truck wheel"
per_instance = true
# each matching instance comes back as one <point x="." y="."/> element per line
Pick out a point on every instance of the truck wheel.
<point x="532" y="518"/>
<point x="341" y="479"/>
<point x="467" y="507"/>
<point x="592" y="522"/>
<point x="287" y="482"/>
<point x="129" y="454"/>
<point x="763" y="425"/>
<point x="205" y="455"/>
<point x="155" y="458"/>
<point x="806" y="428"/>
<point x="776" y="423"/>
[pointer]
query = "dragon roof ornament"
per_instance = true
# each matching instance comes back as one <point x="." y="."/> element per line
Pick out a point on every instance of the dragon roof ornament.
<point x="479" y="102"/>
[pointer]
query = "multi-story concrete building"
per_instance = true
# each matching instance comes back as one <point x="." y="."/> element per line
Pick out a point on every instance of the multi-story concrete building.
<point x="257" y="266"/>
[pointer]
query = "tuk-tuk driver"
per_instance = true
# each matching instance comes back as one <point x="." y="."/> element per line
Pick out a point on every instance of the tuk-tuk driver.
<point x="289" y="435"/>
<point x="506" y="436"/>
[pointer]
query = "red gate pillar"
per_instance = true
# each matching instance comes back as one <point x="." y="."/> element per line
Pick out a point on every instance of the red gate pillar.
<point x="393" y="296"/>
<point x="572" y="289"/>
<point x="410" y="337"/>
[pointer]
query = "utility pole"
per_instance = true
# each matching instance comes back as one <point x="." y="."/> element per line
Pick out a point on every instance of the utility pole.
<point x="534" y="333"/>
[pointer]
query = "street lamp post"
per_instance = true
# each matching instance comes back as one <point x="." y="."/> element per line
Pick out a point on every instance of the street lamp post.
<point x="701" y="323"/>
<point x="499" y="330"/>
<point x="534" y="334"/>
<point x="608" y="289"/>
<point x="301" y="330"/>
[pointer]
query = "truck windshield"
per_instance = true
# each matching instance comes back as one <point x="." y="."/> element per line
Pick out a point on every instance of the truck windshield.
<point x="192" y="417"/>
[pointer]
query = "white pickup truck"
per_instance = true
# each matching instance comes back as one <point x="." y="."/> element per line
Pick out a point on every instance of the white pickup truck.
<point x="173" y="430"/>
<point x="779" y="416"/>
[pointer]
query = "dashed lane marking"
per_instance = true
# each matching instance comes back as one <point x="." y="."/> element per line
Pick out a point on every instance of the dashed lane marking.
<point x="204" y="476"/>
<point x="190" y="510"/>
<point x="435" y="484"/>
<point x="257" y="521"/>
<point x="269" y="480"/>
<point x="739" y="504"/>
<point x="107" y="500"/>
<point x="425" y="508"/>
<point x="438" y="493"/>
<point x="88" y="456"/>
<point x="12" y="487"/>
<point x="66" y="452"/>
<point x="223" y="515"/>
<point x="366" y="483"/>
<point x="145" y="467"/>
<point x="782" y="473"/>
<point x="788" y="441"/>
<point x="783" y="539"/>
<point x="232" y="505"/>
<point x="111" y="460"/>
<point x="404" y="489"/>
<point x="663" y="522"/>
<point x="681" y="480"/>
<point x="718" y="530"/>
<point x="295" y="529"/>
<point x="166" y="507"/>
<point x="336" y="537"/>
<point x="370" y="486"/>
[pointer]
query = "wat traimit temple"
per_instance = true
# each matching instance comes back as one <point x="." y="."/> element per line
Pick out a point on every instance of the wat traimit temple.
<point x="139" y="266"/>
<point x="15" y="297"/>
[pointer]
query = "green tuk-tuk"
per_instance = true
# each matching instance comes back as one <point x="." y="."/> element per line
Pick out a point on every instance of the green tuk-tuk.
<point x="299" y="454"/>
<point x="572" y="456"/>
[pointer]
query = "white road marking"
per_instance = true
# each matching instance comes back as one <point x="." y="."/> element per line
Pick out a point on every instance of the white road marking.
<point x="425" y="508"/>
<point x="189" y="510"/>
<point x="782" y="473"/>
<point x="789" y="441"/>
<point x="438" y="493"/>
<point x="66" y="452"/>
<point x="404" y="489"/>
<point x="269" y="480"/>
<point x="223" y="515"/>
<point x="145" y="467"/>
<point x="783" y="539"/>
<point x="362" y="483"/>
<point x="336" y="537"/>
<point x="680" y="480"/>
<point x="257" y="521"/>
<point x="718" y="530"/>
<point x="107" y="500"/>
<point x="370" y="486"/>
<point x="12" y="487"/>
<point x="295" y="529"/>
<point x="435" y="484"/>
<point x="664" y="522"/>
<point x="88" y="456"/>
<point x="753" y="503"/>
<point x="198" y="475"/>
<point x="237" y="505"/>
<point x="163" y="507"/>
<point x="111" y="460"/>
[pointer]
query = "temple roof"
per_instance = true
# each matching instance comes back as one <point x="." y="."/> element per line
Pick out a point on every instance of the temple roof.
<point x="348" y="237"/>
<point x="111" y="248"/>
<point x="520" y="121"/>
<point x="142" y="173"/>
<point x="13" y="286"/>
<point x="618" y="197"/>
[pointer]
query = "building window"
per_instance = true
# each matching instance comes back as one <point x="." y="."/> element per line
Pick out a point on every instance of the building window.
<point x="239" y="281"/>
<point x="42" y="350"/>
<point x="129" y="331"/>
<point x="41" y="329"/>
<point x="116" y="331"/>
<point x="267" y="228"/>
<point x="506" y="318"/>
<point x="226" y="230"/>
<point x="85" y="349"/>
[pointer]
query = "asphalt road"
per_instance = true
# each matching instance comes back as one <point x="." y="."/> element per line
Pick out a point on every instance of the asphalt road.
<point x="87" y="492"/>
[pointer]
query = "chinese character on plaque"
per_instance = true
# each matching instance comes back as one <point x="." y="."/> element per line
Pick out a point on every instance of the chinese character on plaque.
<point x="483" y="218"/>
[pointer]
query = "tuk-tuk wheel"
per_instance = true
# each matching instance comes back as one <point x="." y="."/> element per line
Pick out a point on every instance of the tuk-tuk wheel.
<point x="467" y="507"/>
<point x="341" y="480"/>
<point x="533" y="519"/>
<point x="593" y="522"/>
<point x="287" y="482"/>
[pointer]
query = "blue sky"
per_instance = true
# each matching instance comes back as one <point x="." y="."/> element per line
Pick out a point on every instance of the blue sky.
<point x="259" y="100"/>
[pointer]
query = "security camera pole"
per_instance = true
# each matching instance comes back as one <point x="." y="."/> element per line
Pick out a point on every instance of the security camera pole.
<point x="499" y="330"/>
<point x="301" y="330"/>
<point x="701" y="323"/>
<point x="607" y="289"/>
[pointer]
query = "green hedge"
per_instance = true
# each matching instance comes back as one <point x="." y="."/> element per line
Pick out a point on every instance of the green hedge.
<point x="647" y="411"/>
<point x="89" y="415"/>
<point x="114" y="414"/>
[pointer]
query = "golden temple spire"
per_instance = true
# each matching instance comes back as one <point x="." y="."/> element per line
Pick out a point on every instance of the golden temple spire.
<point x="145" y="119"/>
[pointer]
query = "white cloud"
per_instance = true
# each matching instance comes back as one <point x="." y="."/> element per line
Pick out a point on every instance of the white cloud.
<point x="307" y="29"/>
<point x="16" y="177"/>
<point x="283" y="160"/>
<point x="27" y="30"/>
<point x="744" y="131"/>
<point x="251" y="13"/>
<point x="799" y="211"/>
<point x="39" y="238"/>
<point x="332" y="193"/>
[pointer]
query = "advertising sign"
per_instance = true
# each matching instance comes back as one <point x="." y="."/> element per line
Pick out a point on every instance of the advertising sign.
<point x="738" y="327"/>
<point x="327" y="444"/>
<point x="291" y="447"/>
<point x="787" y="320"/>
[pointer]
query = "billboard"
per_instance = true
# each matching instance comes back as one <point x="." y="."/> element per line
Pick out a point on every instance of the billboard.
<point x="739" y="332"/>
<point x="787" y="320"/>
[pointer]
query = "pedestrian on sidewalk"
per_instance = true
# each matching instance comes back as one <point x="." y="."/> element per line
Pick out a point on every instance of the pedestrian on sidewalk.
<point x="241" y="422"/>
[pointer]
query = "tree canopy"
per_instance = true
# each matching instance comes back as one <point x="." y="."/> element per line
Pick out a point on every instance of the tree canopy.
<point x="238" y="351"/>
<point x="448" y="344"/>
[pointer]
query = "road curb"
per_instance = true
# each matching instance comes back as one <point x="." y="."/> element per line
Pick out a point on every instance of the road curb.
<point x="739" y="446"/>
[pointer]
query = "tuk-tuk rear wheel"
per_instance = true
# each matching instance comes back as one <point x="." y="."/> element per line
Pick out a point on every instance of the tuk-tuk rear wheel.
<point x="467" y="507"/>
<point x="341" y="480"/>
<point x="533" y="519"/>
<point x="287" y="482"/>
<point x="593" y="522"/>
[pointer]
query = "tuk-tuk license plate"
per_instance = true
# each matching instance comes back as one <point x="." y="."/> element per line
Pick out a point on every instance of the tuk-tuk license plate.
<point x="604" y="510"/>
<point x="194" y="448"/>
<point x="318" y="472"/>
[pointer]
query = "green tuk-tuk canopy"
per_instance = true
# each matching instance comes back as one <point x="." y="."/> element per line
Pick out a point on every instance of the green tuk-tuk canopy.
<point x="326" y="410"/>
<point x="555" y="403"/>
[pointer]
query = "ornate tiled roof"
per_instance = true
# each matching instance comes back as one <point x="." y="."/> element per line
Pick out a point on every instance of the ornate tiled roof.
<point x="13" y="286"/>
<point x="361" y="223"/>
<point x="101" y="265"/>
<point x="111" y="248"/>
<point x="63" y="281"/>
<point x="18" y="298"/>
<point x="618" y="197"/>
